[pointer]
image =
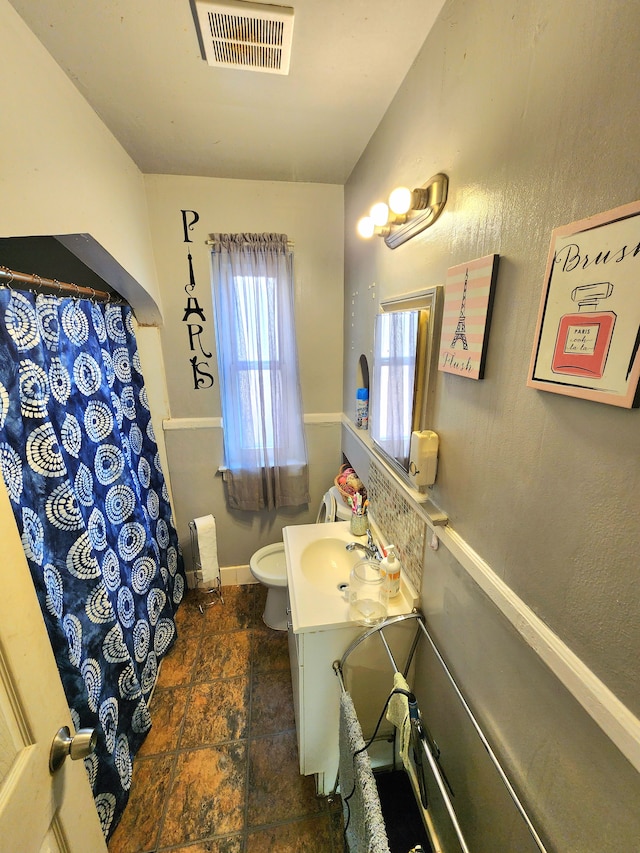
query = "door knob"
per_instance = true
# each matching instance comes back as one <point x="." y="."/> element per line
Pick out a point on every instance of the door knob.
<point x="79" y="746"/>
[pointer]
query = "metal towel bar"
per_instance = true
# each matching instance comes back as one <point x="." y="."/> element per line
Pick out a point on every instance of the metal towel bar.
<point x="421" y="740"/>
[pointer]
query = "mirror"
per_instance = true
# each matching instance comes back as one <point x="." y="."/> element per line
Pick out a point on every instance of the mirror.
<point x="404" y="365"/>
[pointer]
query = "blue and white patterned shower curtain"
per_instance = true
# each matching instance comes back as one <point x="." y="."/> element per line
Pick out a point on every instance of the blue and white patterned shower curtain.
<point x="81" y="465"/>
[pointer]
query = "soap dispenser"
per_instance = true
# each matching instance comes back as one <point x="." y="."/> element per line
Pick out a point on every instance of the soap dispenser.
<point x="390" y="565"/>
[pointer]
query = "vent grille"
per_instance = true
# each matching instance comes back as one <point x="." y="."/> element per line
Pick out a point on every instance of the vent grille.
<point x="252" y="36"/>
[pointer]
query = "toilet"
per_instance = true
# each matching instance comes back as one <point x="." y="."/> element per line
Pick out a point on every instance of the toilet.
<point x="333" y="507"/>
<point x="269" y="566"/>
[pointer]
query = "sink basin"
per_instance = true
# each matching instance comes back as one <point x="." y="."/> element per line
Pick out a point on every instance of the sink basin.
<point x="317" y="564"/>
<point x="326" y="563"/>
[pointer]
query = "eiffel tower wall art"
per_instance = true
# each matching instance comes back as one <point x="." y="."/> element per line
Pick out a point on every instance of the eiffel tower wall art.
<point x="468" y="300"/>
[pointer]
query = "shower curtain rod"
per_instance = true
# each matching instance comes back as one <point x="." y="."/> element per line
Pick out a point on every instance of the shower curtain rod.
<point x="26" y="281"/>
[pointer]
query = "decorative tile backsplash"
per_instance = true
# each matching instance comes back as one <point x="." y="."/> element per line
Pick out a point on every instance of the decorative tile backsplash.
<point x="398" y="521"/>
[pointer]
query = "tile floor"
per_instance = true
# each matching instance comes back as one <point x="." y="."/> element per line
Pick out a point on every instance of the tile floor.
<point x="218" y="773"/>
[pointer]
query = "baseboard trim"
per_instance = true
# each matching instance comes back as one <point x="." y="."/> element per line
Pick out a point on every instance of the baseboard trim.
<point x="235" y="575"/>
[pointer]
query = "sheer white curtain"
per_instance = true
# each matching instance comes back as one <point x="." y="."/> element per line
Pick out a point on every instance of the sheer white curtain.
<point x="264" y="441"/>
<point x="394" y="365"/>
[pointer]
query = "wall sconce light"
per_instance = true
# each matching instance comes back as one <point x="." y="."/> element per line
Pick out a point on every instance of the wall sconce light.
<point x="408" y="212"/>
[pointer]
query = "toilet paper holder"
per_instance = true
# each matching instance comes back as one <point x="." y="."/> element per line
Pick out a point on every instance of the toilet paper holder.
<point x="196" y="565"/>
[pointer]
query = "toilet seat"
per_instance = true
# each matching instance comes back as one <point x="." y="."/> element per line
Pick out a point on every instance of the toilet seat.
<point x="269" y="566"/>
<point x="327" y="511"/>
<point x="332" y="507"/>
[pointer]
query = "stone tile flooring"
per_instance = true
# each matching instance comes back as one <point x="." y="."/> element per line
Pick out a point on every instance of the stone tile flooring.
<point x="218" y="773"/>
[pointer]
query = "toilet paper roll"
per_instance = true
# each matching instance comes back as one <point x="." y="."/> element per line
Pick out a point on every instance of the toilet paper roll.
<point x="208" y="550"/>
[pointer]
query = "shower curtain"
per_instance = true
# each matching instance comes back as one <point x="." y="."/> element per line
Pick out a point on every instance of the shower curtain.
<point x="81" y="465"/>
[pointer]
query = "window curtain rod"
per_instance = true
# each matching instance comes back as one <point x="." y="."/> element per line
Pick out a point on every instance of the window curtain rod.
<point x="27" y="281"/>
<point x="290" y="244"/>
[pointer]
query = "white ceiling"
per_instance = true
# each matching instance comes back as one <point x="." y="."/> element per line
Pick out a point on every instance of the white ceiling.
<point x="138" y="63"/>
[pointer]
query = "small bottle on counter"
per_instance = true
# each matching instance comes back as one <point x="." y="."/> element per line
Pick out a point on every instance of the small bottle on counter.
<point x="362" y="408"/>
<point x="390" y="565"/>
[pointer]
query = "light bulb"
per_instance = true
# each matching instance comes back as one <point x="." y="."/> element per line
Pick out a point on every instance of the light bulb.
<point x="365" y="227"/>
<point x="400" y="200"/>
<point x="379" y="213"/>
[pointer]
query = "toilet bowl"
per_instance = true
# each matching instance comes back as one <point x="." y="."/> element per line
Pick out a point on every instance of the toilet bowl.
<point x="333" y="507"/>
<point x="269" y="566"/>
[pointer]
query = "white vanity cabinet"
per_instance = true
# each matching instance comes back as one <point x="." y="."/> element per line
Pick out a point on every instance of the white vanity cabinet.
<point x="316" y="699"/>
<point x="320" y="631"/>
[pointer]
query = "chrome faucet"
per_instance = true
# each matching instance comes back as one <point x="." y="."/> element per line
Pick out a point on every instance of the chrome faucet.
<point x="370" y="549"/>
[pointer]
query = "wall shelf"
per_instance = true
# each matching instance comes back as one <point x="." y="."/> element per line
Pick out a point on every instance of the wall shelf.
<point x="365" y="440"/>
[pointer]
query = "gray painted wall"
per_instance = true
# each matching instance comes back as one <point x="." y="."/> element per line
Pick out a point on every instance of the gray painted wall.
<point x="579" y="790"/>
<point x="529" y="109"/>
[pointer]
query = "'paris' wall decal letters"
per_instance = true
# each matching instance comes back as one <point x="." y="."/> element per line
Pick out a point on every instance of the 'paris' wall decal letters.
<point x="201" y="376"/>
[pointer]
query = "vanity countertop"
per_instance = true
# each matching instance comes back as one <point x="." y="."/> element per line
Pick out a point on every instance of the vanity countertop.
<point x="318" y="568"/>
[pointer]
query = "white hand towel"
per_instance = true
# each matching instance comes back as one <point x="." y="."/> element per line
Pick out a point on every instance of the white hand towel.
<point x="208" y="549"/>
<point x="398" y="714"/>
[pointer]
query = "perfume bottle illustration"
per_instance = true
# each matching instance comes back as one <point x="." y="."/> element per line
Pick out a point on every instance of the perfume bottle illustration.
<point x="584" y="338"/>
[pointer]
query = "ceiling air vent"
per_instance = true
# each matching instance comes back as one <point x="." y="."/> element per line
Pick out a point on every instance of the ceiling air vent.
<point x="253" y="36"/>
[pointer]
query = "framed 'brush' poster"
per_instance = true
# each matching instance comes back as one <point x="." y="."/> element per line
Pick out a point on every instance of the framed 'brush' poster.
<point x="588" y="330"/>
<point x="468" y="301"/>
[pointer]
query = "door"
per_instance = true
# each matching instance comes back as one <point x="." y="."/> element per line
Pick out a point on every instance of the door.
<point x="40" y="812"/>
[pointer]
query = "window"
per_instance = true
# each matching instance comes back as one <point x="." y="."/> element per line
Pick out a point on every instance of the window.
<point x="265" y="448"/>
<point x="258" y="370"/>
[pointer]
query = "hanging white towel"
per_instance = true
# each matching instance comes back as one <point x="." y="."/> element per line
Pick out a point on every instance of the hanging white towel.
<point x="398" y="714"/>
<point x="208" y="550"/>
